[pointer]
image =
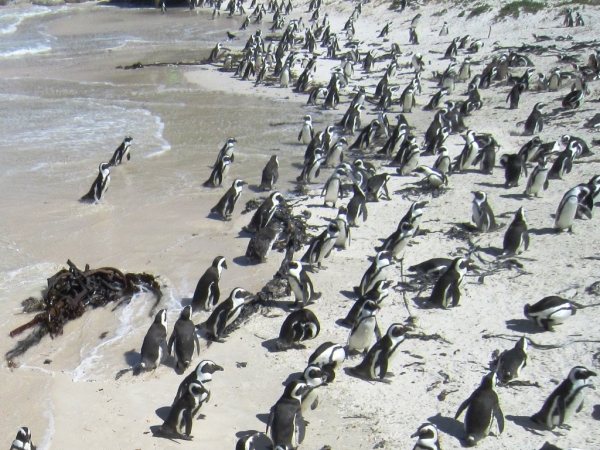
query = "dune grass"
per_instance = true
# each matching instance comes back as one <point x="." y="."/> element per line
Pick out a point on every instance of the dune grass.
<point x="515" y="8"/>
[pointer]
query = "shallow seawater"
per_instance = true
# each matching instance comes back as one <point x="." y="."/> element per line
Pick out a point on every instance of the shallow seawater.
<point x="63" y="110"/>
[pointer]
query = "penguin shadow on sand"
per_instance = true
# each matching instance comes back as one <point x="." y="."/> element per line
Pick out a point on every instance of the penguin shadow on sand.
<point x="543" y="231"/>
<point x="448" y="425"/>
<point x="521" y="196"/>
<point x="523" y="326"/>
<point x="596" y="412"/>
<point x="271" y="345"/>
<point x="242" y="260"/>
<point x="490" y="185"/>
<point x="526" y="423"/>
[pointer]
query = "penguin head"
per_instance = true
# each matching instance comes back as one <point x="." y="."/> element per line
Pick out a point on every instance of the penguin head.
<point x="383" y="258"/>
<point x="23" y="435"/>
<point x="307" y="119"/>
<point x="205" y="369"/>
<point x="240" y="295"/>
<point x="238" y="184"/>
<point x="333" y="228"/>
<point x="520" y="215"/>
<point x="275" y="159"/>
<point x="295" y="390"/>
<point x="104" y="168"/>
<point x="426" y="431"/>
<point x="370" y="308"/>
<point x="186" y="313"/>
<point x="342" y="211"/>
<point x="539" y="106"/>
<point x="294" y="268"/>
<point x="128" y="139"/>
<point x="396" y="331"/>
<point x="220" y="263"/>
<point x="277" y="198"/>
<point x="489" y="381"/>
<point x="580" y="373"/>
<point x="480" y="196"/>
<point x="161" y="318"/>
<point x="314" y="376"/>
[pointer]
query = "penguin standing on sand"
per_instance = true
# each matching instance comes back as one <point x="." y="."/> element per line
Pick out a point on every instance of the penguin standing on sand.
<point x="207" y="292"/>
<point x="307" y="132"/>
<point x="357" y="206"/>
<point x="482" y="407"/>
<point x="312" y="168"/>
<point x="514" y="166"/>
<point x="23" y="440"/>
<point x="538" y="180"/>
<point x="549" y="311"/>
<point x="572" y="203"/>
<point x="219" y="172"/>
<point x="365" y="328"/>
<point x="509" y="364"/>
<point x="155" y="343"/>
<point x="285" y="420"/>
<point x="376" y="271"/>
<point x="270" y="174"/>
<point x="565" y="400"/>
<point x="375" y="364"/>
<point x="184" y="339"/>
<point x="225" y="206"/>
<point x="447" y="287"/>
<point x="301" y="284"/>
<point x="203" y="374"/>
<point x="397" y="241"/>
<point x="428" y="438"/>
<point x="300" y="325"/>
<point x="344" y="237"/>
<point x="263" y="215"/>
<point x="483" y="216"/>
<point x="121" y="152"/>
<point x="535" y="122"/>
<point x="178" y="424"/>
<point x="99" y="186"/>
<point x="226" y="312"/>
<point x="516" y="238"/>
<point x="261" y="243"/>
<point x="320" y="246"/>
<point x="333" y="188"/>
<point x="377" y="187"/>
<point x="444" y="30"/>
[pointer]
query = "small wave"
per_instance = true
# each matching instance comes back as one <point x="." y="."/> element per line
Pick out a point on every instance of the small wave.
<point x="40" y="48"/>
<point x="11" y="19"/>
<point x="165" y="147"/>
<point x="46" y="441"/>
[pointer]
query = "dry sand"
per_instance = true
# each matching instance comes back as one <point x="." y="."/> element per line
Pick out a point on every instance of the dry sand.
<point x="353" y="414"/>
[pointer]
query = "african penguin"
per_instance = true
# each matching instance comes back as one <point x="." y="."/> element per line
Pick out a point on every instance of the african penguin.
<point x="328" y="356"/>
<point x="320" y="246"/>
<point x="23" y="440"/>
<point x="565" y="400"/>
<point x="155" y="343"/>
<point x="207" y="291"/>
<point x="300" y="325"/>
<point x="301" y="284"/>
<point x="344" y="237"/>
<point x="270" y="174"/>
<point x="226" y="204"/>
<point x="483" y="216"/>
<point x="219" y="172"/>
<point x="365" y="328"/>
<point x="433" y="266"/>
<point x="285" y="420"/>
<point x="516" y="238"/>
<point x="549" y="311"/>
<point x="265" y="212"/>
<point x="482" y="407"/>
<point x="357" y="206"/>
<point x="538" y="180"/>
<point x="99" y="186"/>
<point x="447" y="287"/>
<point x="570" y="204"/>
<point x="332" y="190"/>
<point x="535" y="122"/>
<point x="514" y="166"/>
<point x="376" y="271"/>
<point x="510" y="362"/>
<point x="226" y="312"/>
<point x="203" y="374"/>
<point x="178" y="424"/>
<point x="306" y="133"/>
<point x="314" y="377"/>
<point x="121" y="152"/>
<point x="376" y="363"/>
<point x="428" y="438"/>
<point x="184" y="340"/>
<point x="261" y="243"/>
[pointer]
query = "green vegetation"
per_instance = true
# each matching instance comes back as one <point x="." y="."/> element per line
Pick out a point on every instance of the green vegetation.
<point x="579" y="2"/>
<point x="515" y="8"/>
<point x="479" y="10"/>
<point x="440" y="13"/>
<point x="461" y="14"/>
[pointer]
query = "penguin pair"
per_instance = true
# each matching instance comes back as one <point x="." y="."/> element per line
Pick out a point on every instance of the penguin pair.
<point x="207" y="292"/>
<point x="446" y="291"/>
<point x="226" y="313"/>
<point x="224" y="208"/>
<point x="567" y="399"/>
<point x="123" y="151"/>
<point x="375" y="364"/>
<point x="99" y="186"/>
<point x="301" y="284"/>
<point x="482" y="407"/>
<point x="265" y="212"/>
<point x="300" y="325"/>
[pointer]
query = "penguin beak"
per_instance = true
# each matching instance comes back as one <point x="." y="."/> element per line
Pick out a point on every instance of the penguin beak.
<point x="225" y="265"/>
<point x="219" y="368"/>
<point x="415" y="434"/>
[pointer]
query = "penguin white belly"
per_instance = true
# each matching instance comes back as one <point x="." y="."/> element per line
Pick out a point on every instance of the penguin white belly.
<point x="297" y="290"/>
<point x="343" y="236"/>
<point x="309" y="400"/>
<point x="334" y="157"/>
<point x="560" y="315"/>
<point x="363" y="336"/>
<point x="306" y="137"/>
<point x="410" y="165"/>
<point x="327" y="247"/>
<point x="380" y="275"/>
<point x="399" y="247"/>
<point x="574" y="403"/>
<point x="435" y="181"/>
<point x="331" y="194"/>
<point x="472" y="153"/>
<point x="476" y="215"/>
<point x="234" y="315"/>
<point x="565" y="216"/>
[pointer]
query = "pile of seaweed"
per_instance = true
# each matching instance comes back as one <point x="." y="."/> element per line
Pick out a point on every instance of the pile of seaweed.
<point x="71" y="292"/>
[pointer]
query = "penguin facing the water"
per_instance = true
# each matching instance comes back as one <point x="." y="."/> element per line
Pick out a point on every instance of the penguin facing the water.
<point x="207" y="292"/>
<point x="99" y="186"/>
<point x="155" y="343"/>
<point x="567" y="399"/>
<point x="184" y="339"/>
<point x="270" y="174"/>
<point x="482" y="407"/>
<point x="375" y="364"/>
<point x="121" y="152"/>
<point x="226" y="204"/>
<point x="219" y="172"/>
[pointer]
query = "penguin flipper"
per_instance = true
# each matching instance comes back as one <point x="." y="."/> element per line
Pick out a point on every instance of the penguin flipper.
<point x="526" y="240"/>
<point x="187" y="416"/>
<point x="383" y="365"/>
<point x="499" y="417"/>
<point x="562" y="408"/>
<point x="365" y="212"/>
<point x="171" y="342"/>
<point x="462" y="407"/>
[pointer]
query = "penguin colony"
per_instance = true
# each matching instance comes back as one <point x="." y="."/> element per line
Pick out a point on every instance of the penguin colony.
<point x="402" y="147"/>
